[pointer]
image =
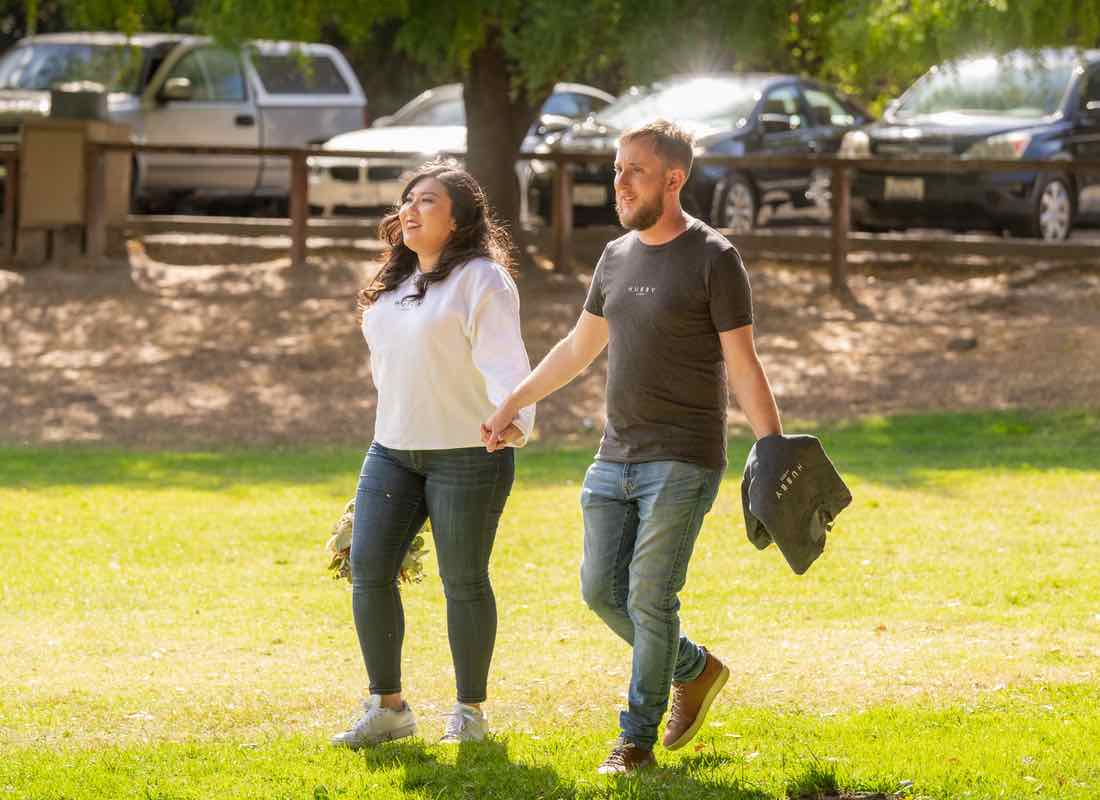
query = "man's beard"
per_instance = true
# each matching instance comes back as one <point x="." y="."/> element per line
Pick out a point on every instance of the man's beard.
<point x="644" y="215"/>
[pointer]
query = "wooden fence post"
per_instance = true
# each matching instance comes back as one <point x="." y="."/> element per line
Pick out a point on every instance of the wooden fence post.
<point x="299" y="208"/>
<point x="11" y="192"/>
<point x="95" y="202"/>
<point x="562" y="218"/>
<point x="841" y="203"/>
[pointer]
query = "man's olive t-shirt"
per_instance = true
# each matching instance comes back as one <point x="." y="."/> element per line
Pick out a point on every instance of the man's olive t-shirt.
<point x="666" y="378"/>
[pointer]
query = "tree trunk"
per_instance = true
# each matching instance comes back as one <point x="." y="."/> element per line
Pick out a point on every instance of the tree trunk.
<point x="496" y="123"/>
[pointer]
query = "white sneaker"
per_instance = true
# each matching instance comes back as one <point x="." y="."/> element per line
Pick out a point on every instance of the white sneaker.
<point x="378" y="724"/>
<point x="465" y="724"/>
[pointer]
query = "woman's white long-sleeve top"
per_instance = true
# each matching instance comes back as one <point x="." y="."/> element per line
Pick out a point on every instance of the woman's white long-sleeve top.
<point x="443" y="365"/>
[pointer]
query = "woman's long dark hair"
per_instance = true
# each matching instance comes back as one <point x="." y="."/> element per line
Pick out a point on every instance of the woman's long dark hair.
<point x="476" y="234"/>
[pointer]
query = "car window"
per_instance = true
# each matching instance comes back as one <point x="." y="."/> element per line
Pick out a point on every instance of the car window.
<point x="153" y="61"/>
<point x="42" y="66"/>
<point x="215" y="75"/>
<point x="572" y="104"/>
<point x="295" y="74"/>
<point x="783" y="102"/>
<point x="190" y="67"/>
<point x="442" y="112"/>
<point x="699" y="102"/>
<point x="826" y="109"/>
<point x="1091" y="99"/>
<point x="223" y="74"/>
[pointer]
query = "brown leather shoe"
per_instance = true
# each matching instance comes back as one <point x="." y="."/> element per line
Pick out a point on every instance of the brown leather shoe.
<point x="626" y="757"/>
<point x="691" y="701"/>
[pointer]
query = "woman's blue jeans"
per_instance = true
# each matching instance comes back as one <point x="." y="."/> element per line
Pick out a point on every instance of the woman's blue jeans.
<point x="463" y="492"/>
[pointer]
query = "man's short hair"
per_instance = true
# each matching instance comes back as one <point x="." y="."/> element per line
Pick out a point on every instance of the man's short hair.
<point x="671" y="143"/>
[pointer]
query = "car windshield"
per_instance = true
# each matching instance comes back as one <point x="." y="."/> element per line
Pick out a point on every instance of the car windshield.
<point x="438" y="112"/>
<point x="452" y="111"/>
<point x="42" y="66"/>
<point x="704" y="102"/>
<point x="1014" y="86"/>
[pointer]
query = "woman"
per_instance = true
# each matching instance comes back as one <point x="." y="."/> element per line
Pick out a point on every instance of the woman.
<point x="442" y="322"/>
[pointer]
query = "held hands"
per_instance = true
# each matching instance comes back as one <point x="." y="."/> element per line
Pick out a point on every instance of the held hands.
<point x="499" y="431"/>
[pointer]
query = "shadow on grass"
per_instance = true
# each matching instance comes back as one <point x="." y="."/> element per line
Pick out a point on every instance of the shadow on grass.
<point x="481" y="770"/>
<point x="485" y="771"/>
<point x="84" y="466"/>
<point x="819" y="781"/>
<point x="897" y="450"/>
<point x="901" y="450"/>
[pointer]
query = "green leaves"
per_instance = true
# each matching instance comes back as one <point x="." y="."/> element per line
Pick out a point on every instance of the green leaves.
<point x="871" y="48"/>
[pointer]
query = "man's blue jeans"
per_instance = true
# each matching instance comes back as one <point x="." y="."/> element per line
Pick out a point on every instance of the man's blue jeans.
<point x="640" y="526"/>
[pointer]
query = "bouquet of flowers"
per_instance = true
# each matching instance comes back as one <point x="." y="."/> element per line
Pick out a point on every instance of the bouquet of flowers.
<point x="339" y="546"/>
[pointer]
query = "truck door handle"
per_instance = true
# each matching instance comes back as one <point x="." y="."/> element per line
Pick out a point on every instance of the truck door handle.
<point x="244" y="120"/>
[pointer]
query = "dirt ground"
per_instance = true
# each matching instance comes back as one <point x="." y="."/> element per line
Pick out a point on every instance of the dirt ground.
<point x="186" y="352"/>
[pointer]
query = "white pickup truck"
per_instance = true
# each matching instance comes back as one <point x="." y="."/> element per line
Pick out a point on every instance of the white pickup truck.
<point x="176" y="89"/>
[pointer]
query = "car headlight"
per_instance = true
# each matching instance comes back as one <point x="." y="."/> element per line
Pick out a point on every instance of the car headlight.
<point x="855" y="144"/>
<point x="1004" y="147"/>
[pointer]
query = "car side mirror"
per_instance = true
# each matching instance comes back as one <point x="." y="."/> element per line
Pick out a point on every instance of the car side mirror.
<point x="775" y="123"/>
<point x="177" y="89"/>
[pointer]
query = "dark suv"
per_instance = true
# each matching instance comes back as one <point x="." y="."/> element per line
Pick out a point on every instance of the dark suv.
<point x="1037" y="105"/>
<point x="730" y="114"/>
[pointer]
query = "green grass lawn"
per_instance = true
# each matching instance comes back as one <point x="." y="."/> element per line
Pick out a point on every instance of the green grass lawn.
<point x="167" y="630"/>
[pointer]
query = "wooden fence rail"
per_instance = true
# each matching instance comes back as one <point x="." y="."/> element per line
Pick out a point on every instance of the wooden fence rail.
<point x="840" y="238"/>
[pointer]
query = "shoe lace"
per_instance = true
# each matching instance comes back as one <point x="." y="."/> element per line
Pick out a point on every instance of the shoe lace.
<point x="677" y="701"/>
<point x="617" y="757"/>
<point x="369" y="714"/>
<point x="456" y="721"/>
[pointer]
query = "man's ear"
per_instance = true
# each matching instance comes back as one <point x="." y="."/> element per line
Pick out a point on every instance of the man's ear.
<point x="675" y="179"/>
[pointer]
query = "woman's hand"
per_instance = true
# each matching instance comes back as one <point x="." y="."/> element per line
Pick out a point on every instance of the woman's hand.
<point x="506" y="437"/>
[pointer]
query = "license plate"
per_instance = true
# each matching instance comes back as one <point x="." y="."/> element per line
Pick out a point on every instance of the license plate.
<point x="589" y="195"/>
<point x="904" y="189"/>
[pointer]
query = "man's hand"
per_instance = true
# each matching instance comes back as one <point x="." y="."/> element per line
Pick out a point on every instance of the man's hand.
<point x="563" y="363"/>
<point x="500" y="430"/>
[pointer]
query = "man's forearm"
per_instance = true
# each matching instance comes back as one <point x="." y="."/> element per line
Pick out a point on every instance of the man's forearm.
<point x="757" y="403"/>
<point x="561" y="365"/>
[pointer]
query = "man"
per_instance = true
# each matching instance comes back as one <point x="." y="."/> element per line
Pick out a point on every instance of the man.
<point x="672" y="300"/>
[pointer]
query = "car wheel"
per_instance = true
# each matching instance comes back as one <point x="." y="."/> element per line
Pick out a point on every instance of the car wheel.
<point x="738" y="206"/>
<point x="819" y="192"/>
<point x="1052" y="214"/>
